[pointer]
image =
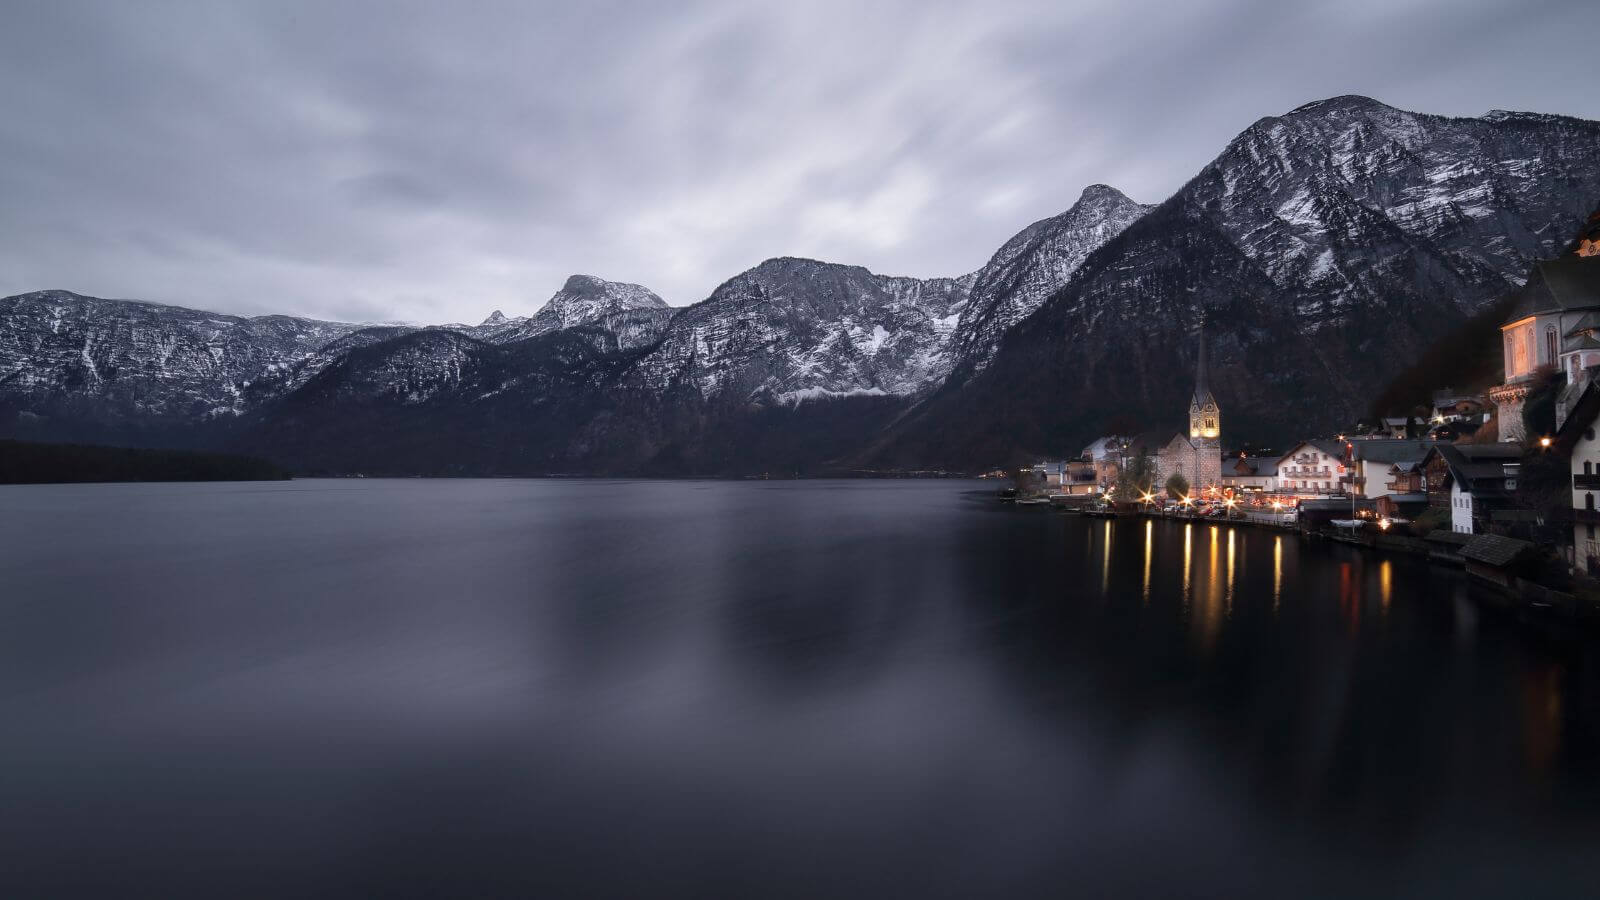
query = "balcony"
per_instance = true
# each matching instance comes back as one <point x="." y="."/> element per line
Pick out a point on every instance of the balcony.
<point x="1586" y="482"/>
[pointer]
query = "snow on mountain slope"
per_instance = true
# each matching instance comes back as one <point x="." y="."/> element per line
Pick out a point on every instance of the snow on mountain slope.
<point x="796" y="325"/>
<point x="129" y="358"/>
<point x="1035" y="264"/>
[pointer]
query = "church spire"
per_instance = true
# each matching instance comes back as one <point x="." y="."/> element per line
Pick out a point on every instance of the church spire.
<point x="1205" y="420"/>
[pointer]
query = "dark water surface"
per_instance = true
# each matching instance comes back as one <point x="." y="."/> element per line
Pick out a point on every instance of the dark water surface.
<point x="711" y="689"/>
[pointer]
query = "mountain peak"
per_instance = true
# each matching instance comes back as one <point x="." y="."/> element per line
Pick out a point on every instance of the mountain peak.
<point x="1341" y="103"/>
<point x="1102" y="193"/>
<point x="495" y="318"/>
<point x="589" y="289"/>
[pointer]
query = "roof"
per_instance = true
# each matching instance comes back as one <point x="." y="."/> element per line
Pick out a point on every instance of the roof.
<point x="1585" y="341"/>
<point x="1586" y="322"/>
<point x="1326" y="445"/>
<point x="1391" y="451"/>
<point x="1405" y="465"/>
<point x="1251" y="467"/>
<point x="1202" y="374"/>
<point x="1478" y="467"/>
<point x="1566" y="284"/>
<point x="1580" y="417"/>
<point x="1494" y="549"/>
<point x="1440" y="536"/>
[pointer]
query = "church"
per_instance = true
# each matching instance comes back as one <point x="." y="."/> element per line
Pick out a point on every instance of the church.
<point x="1198" y="454"/>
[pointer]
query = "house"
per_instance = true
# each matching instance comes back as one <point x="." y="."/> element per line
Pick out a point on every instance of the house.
<point x="1454" y="406"/>
<point x="1313" y="467"/>
<point x="1471" y="480"/>
<point x="1554" y="325"/>
<point x="1577" y="440"/>
<point x="1372" y="463"/>
<point x="1498" y="559"/>
<point x="1588" y="243"/>
<point x="1250" y="474"/>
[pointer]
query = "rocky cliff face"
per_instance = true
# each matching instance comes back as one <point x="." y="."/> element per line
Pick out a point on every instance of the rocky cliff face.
<point x="133" y="363"/>
<point x="1324" y="248"/>
<point x="629" y="316"/>
<point x="790" y="330"/>
<point x="1035" y="264"/>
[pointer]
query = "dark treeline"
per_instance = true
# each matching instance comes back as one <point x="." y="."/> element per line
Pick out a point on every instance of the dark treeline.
<point x="23" y="462"/>
<point x="1465" y="358"/>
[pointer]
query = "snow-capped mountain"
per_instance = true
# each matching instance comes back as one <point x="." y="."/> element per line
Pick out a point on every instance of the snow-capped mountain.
<point x="65" y="353"/>
<point x="617" y="315"/>
<point x="795" y="329"/>
<point x="1035" y="264"/>
<point x="1324" y="248"/>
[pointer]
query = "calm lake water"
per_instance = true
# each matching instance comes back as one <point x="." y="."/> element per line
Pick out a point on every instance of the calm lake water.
<point x="713" y="689"/>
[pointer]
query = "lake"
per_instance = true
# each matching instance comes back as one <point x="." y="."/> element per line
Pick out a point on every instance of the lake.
<point x="729" y="689"/>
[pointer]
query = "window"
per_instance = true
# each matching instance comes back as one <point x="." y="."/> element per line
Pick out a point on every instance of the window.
<point x="1588" y="501"/>
<point x="1550" y="344"/>
<point x="1588" y="467"/>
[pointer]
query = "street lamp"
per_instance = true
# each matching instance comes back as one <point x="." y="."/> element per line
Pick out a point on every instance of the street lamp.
<point x="1544" y="442"/>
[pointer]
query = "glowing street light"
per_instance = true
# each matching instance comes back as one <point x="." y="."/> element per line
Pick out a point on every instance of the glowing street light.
<point x="1544" y="442"/>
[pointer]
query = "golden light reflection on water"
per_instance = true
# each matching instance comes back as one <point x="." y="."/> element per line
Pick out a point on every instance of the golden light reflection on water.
<point x="1277" y="572"/>
<point x="1228" y="598"/>
<point x="1384" y="588"/>
<point x="1149" y="533"/>
<point x="1188" y="556"/>
<point x="1209" y="622"/>
<point x="1105" y="562"/>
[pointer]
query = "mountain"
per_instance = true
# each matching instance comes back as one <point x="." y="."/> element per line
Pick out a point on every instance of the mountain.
<point x="789" y="330"/>
<point x="1034" y="264"/>
<point x="119" y="368"/>
<point x="627" y="315"/>
<point x="1323" y="249"/>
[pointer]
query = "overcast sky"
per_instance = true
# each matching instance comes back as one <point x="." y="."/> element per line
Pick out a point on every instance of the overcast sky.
<point x="431" y="162"/>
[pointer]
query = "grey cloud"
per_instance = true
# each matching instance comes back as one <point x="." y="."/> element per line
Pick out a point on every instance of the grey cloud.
<point x="432" y="162"/>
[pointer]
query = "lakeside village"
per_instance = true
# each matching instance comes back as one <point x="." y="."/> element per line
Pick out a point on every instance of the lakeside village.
<point x="1502" y="482"/>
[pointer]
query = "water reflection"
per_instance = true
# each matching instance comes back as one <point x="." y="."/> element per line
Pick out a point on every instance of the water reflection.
<point x="728" y="689"/>
<point x="1277" y="571"/>
<point x="1149" y="543"/>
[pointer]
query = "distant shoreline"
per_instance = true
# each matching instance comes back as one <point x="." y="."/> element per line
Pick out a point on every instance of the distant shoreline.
<point x="27" y="462"/>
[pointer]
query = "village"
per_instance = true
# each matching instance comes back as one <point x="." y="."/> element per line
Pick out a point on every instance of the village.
<point x="1500" y="481"/>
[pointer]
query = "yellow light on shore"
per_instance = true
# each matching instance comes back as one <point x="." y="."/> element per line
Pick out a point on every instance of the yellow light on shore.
<point x="1544" y="442"/>
<point x="1383" y="523"/>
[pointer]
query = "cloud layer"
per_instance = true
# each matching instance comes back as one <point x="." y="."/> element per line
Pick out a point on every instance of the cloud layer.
<point x="433" y="161"/>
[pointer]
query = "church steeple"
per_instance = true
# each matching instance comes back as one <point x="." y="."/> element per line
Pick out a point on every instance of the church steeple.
<point x="1205" y="420"/>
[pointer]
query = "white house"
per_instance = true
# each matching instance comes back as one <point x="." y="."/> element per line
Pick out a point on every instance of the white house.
<point x="1473" y="479"/>
<point x="1312" y="467"/>
<point x="1373" y="463"/>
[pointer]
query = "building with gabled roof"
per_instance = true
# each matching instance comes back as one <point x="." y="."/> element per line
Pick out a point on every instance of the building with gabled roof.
<point x="1313" y="467"/>
<point x="1372" y="463"/>
<point x="1472" y="480"/>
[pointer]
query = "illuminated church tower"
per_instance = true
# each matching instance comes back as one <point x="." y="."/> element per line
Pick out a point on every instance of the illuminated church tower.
<point x="1205" y="425"/>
